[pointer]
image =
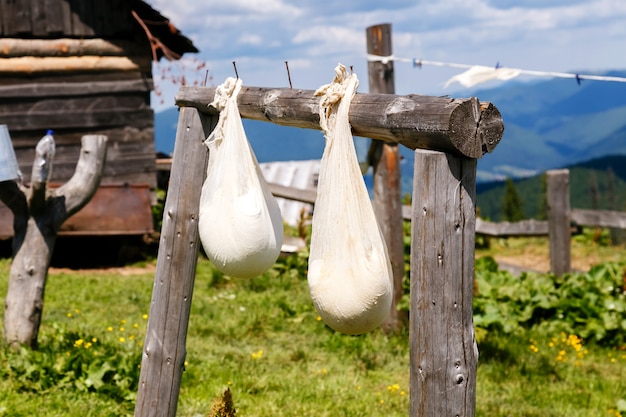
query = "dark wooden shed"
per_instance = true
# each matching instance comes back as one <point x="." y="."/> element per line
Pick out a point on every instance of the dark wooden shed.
<point x="85" y="67"/>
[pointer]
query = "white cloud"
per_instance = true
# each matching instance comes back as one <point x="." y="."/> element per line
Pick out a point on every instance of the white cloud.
<point x="554" y="35"/>
<point x="250" y="39"/>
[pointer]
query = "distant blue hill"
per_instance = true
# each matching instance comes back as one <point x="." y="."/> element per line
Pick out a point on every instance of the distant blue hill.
<point x="548" y="123"/>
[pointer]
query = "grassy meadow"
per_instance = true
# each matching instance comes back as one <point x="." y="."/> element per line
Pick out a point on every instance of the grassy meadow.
<point x="263" y="340"/>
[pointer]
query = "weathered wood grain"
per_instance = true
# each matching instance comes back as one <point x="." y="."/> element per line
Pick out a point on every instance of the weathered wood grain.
<point x="559" y="219"/>
<point x="60" y="89"/>
<point x="599" y="218"/>
<point x="68" y="105"/>
<point x="130" y="155"/>
<point x="50" y="64"/>
<point x="164" y="348"/>
<point x="463" y="127"/>
<point x="521" y="228"/>
<point x="38" y="18"/>
<point x="38" y="218"/>
<point x="443" y="352"/>
<point x="54" y="17"/>
<point x="65" y="47"/>
<point x="49" y="119"/>
<point x="385" y="159"/>
<point x="290" y="193"/>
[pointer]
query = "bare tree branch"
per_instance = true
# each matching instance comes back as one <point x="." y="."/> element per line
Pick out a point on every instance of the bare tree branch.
<point x="84" y="183"/>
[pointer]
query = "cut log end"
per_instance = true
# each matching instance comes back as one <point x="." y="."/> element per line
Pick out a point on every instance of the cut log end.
<point x="475" y="140"/>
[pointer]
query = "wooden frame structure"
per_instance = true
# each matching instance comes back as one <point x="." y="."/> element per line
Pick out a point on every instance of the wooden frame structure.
<point x="448" y="135"/>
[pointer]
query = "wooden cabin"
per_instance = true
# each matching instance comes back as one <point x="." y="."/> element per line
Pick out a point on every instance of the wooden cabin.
<point x="85" y="67"/>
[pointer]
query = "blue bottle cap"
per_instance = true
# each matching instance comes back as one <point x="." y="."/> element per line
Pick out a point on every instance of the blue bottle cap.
<point x="50" y="132"/>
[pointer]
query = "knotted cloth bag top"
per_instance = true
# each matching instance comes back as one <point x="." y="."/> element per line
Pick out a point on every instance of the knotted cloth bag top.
<point x="349" y="276"/>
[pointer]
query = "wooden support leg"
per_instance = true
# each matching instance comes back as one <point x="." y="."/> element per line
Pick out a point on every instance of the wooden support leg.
<point x="443" y="352"/>
<point x="164" y="348"/>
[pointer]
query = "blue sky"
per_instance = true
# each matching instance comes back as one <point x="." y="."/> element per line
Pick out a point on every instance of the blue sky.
<point x="578" y="36"/>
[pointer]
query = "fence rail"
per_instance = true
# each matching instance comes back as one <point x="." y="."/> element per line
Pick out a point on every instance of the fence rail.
<point x="531" y="227"/>
<point x="559" y="231"/>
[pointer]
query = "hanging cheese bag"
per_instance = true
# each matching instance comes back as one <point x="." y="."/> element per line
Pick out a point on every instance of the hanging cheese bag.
<point x="349" y="276"/>
<point x="240" y="223"/>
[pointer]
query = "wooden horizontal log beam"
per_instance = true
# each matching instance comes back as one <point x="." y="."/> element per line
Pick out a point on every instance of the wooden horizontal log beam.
<point x="16" y="47"/>
<point x="521" y="228"/>
<point x="599" y="218"/>
<point x="291" y="193"/>
<point x="75" y="89"/>
<point x="33" y="65"/>
<point x="39" y="120"/>
<point x="464" y="127"/>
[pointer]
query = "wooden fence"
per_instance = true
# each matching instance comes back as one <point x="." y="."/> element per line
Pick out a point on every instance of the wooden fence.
<point x="448" y="135"/>
<point x="561" y="220"/>
<point x="560" y="240"/>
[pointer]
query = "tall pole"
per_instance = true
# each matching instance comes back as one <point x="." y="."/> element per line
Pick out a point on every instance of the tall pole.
<point x="385" y="159"/>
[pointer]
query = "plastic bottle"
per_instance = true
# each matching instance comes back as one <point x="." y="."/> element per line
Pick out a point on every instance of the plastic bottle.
<point x="44" y="152"/>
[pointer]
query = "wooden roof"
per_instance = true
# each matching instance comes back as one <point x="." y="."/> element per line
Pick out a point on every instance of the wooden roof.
<point x="111" y="19"/>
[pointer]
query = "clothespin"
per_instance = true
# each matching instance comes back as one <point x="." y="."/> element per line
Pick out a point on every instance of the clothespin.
<point x="578" y="79"/>
<point x="497" y="64"/>
<point x="417" y="64"/>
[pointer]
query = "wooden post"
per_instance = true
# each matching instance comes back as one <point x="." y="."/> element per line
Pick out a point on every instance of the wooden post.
<point x="559" y="215"/>
<point x="443" y="351"/>
<point x="385" y="158"/>
<point x="164" y="348"/>
<point x="381" y="79"/>
<point x="38" y="214"/>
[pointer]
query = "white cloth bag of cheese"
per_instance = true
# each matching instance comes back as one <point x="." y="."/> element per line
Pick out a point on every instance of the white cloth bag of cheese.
<point x="240" y="223"/>
<point x="349" y="275"/>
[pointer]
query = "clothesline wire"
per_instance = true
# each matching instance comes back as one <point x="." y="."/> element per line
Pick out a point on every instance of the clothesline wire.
<point x="419" y="62"/>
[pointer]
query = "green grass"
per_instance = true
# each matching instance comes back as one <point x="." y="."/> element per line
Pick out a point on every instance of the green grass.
<point x="263" y="339"/>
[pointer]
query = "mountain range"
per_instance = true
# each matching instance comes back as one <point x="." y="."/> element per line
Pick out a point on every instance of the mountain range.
<point x="549" y="123"/>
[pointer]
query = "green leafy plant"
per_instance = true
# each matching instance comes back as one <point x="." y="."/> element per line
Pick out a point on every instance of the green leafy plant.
<point x="591" y="305"/>
<point x="594" y="236"/>
<point x="71" y="359"/>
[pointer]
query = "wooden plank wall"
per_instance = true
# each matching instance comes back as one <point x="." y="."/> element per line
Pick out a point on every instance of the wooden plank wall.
<point x="74" y="100"/>
<point x="81" y="67"/>
<point x="72" y="18"/>
<point x="118" y="108"/>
